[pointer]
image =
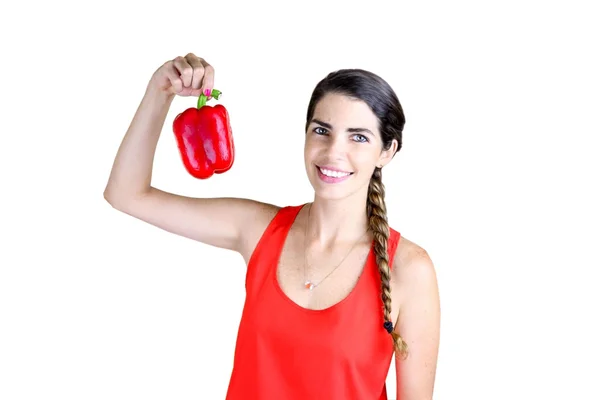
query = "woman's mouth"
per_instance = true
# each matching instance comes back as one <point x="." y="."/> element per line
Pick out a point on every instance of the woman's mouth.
<point x="331" y="175"/>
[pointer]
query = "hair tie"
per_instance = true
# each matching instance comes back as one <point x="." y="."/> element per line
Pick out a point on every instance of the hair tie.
<point x="388" y="326"/>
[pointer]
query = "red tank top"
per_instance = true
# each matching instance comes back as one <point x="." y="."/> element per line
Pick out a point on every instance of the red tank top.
<point x="287" y="352"/>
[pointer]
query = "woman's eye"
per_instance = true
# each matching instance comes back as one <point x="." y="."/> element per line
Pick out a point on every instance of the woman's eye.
<point x="320" y="131"/>
<point x="360" y="138"/>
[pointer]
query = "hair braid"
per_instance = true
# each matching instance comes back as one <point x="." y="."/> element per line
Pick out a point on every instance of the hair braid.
<point x="378" y="224"/>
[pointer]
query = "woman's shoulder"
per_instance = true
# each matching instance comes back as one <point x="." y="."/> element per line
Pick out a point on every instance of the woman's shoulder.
<point x="408" y="253"/>
<point x="412" y="264"/>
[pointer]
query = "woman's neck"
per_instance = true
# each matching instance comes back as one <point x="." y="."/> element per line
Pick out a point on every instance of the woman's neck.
<point x="335" y="221"/>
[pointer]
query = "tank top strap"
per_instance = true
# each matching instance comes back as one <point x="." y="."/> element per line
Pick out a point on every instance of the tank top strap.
<point x="266" y="252"/>
<point x="393" y="241"/>
<point x="277" y="230"/>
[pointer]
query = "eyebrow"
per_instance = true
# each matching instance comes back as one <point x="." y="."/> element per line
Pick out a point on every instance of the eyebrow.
<point x="353" y="130"/>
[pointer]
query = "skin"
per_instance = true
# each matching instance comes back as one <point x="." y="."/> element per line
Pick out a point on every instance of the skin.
<point x="337" y="216"/>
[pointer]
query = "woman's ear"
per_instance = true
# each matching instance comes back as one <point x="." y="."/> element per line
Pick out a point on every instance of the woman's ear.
<point x="387" y="155"/>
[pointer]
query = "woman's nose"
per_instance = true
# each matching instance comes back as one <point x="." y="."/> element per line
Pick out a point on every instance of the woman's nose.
<point x="336" y="146"/>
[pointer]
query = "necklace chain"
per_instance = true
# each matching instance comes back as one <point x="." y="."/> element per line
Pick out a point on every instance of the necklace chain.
<point x="308" y="284"/>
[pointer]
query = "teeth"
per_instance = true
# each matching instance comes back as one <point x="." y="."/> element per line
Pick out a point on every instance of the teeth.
<point x="334" y="174"/>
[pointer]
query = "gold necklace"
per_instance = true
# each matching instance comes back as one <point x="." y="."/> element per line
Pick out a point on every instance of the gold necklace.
<point x="308" y="284"/>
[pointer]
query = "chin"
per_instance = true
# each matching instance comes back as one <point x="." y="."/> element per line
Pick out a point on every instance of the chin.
<point x="328" y="194"/>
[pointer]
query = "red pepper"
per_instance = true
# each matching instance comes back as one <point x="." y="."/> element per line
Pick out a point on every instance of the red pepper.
<point x="204" y="138"/>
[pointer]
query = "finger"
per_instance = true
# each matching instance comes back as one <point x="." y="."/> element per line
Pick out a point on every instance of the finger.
<point x="209" y="78"/>
<point x="184" y="69"/>
<point x="174" y="77"/>
<point x="198" y="70"/>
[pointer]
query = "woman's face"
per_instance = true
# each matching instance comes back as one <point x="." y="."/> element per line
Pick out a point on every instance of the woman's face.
<point x="343" y="146"/>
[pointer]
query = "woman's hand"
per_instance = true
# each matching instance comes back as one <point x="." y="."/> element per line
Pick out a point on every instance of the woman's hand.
<point x="184" y="76"/>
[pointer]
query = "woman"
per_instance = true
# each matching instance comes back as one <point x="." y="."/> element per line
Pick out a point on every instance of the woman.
<point x="332" y="291"/>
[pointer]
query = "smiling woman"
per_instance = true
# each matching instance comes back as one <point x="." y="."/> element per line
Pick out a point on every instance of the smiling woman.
<point x="332" y="292"/>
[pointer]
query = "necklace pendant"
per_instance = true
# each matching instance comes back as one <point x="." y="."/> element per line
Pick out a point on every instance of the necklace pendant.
<point x="309" y="285"/>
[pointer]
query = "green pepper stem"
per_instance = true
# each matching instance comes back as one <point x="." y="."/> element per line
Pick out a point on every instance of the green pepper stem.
<point x="202" y="99"/>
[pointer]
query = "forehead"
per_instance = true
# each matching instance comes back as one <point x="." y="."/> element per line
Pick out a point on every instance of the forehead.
<point x="345" y="112"/>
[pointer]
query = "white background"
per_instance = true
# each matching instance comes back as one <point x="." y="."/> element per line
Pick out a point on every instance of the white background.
<point x="497" y="180"/>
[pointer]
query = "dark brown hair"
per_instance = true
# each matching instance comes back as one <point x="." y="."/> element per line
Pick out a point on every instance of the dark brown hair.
<point x="381" y="98"/>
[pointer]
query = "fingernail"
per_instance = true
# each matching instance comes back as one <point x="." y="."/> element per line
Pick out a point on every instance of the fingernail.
<point x="207" y="92"/>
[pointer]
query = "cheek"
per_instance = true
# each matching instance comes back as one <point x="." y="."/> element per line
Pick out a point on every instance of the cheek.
<point x="309" y="154"/>
<point x="366" y="157"/>
<point x="311" y="148"/>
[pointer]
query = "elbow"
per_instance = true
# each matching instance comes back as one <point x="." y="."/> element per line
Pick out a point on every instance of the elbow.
<point x="114" y="199"/>
<point x="109" y="196"/>
<point x="124" y="202"/>
<point x="110" y="199"/>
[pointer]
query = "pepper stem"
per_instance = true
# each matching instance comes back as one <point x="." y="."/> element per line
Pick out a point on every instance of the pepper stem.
<point x="202" y="99"/>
